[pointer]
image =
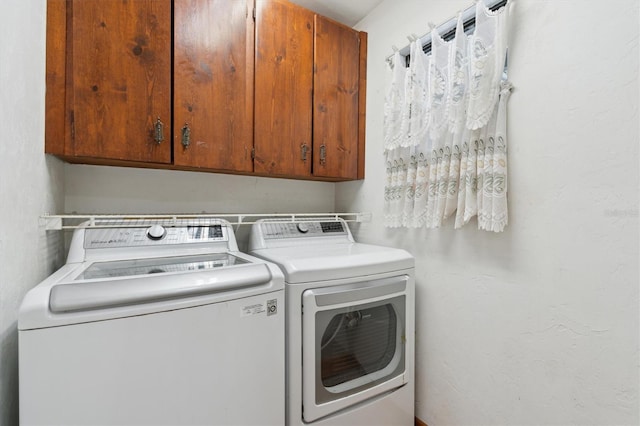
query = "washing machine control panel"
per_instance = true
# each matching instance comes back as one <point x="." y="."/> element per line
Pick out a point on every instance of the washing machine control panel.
<point x="155" y="234"/>
<point x="280" y="230"/>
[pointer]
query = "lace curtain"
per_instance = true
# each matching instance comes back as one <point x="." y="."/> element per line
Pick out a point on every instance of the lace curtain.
<point x="445" y="129"/>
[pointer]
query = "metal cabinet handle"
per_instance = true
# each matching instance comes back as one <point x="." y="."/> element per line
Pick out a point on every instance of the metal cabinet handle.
<point x="323" y="154"/>
<point x="158" y="135"/>
<point x="186" y="135"/>
<point x="303" y="151"/>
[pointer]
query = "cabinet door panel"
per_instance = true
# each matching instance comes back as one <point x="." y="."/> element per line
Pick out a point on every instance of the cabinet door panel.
<point x="213" y="83"/>
<point x="336" y="95"/>
<point x="283" y="88"/>
<point x="121" y="79"/>
<point x="55" y="98"/>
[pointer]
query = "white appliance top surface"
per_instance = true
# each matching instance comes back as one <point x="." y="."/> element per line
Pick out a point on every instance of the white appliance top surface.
<point x="319" y="250"/>
<point x="302" y="264"/>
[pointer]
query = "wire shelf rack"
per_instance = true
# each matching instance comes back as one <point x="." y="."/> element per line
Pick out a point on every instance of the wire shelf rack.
<point x="77" y="221"/>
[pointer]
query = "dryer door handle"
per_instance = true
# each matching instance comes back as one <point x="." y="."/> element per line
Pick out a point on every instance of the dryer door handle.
<point x="358" y="292"/>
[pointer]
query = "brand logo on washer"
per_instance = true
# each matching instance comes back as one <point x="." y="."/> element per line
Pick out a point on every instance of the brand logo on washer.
<point x="272" y="307"/>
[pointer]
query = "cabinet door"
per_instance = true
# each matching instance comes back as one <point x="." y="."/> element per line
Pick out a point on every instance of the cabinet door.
<point x="213" y="84"/>
<point x="336" y="95"/>
<point x="119" y="79"/>
<point x="56" y="124"/>
<point x="283" y="88"/>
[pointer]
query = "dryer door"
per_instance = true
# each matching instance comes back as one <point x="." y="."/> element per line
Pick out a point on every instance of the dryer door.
<point x="353" y="343"/>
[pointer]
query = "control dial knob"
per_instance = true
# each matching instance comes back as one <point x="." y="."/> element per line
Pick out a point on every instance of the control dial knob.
<point x="303" y="228"/>
<point x="156" y="232"/>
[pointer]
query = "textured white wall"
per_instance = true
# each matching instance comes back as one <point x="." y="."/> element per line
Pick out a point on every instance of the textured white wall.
<point x="100" y="189"/>
<point x="30" y="183"/>
<point x="537" y="325"/>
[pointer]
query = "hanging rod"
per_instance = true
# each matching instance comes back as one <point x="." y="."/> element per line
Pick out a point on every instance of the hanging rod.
<point x="447" y="30"/>
<point x="61" y="222"/>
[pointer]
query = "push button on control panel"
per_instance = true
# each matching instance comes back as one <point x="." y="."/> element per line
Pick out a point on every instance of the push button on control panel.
<point x="156" y="232"/>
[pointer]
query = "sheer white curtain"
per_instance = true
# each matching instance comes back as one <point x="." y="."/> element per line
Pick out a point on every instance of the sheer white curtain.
<point x="445" y="129"/>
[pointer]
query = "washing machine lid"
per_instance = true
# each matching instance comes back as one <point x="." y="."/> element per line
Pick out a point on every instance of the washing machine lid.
<point x="135" y="267"/>
<point x="302" y="264"/>
<point x="97" y="291"/>
<point x="148" y="280"/>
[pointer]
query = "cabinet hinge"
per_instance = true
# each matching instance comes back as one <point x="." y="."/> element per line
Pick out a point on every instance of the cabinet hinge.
<point x="253" y="153"/>
<point x="254" y="13"/>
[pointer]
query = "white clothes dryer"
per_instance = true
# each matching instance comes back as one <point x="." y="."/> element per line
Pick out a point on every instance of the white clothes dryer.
<point x="349" y="324"/>
<point x="165" y="324"/>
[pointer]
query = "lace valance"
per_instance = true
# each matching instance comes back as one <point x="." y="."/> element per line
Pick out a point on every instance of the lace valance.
<point x="445" y="141"/>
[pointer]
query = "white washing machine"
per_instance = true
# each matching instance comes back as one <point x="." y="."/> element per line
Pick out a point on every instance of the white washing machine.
<point x="350" y="324"/>
<point x="154" y="325"/>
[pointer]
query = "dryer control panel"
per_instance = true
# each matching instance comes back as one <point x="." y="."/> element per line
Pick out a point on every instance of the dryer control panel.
<point x="272" y="233"/>
<point x="279" y="230"/>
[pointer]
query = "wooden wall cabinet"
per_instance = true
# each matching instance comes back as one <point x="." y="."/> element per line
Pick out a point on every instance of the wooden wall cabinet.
<point x="108" y="80"/>
<point x="310" y="86"/>
<point x="271" y="91"/>
<point x="283" y="89"/>
<point x="213" y="84"/>
<point x="335" y="100"/>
